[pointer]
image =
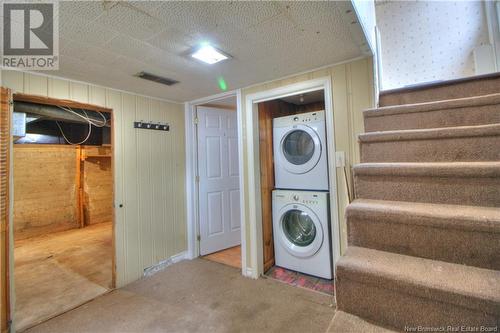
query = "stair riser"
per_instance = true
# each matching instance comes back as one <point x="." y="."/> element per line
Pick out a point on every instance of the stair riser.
<point x="473" y="248"/>
<point x="445" y="190"/>
<point x="384" y="305"/>
<point x="469" y="149"/>
<point x="467" y="116"/>
<point x="480" y="87"/>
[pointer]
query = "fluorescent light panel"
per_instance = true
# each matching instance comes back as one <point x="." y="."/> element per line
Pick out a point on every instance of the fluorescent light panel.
<point x="209" y="55"/>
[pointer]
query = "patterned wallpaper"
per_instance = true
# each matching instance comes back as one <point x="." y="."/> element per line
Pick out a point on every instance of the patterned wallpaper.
<point x="425" y="41"/>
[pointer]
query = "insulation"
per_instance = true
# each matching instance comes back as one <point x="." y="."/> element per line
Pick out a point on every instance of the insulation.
<point x="45" y="192"/>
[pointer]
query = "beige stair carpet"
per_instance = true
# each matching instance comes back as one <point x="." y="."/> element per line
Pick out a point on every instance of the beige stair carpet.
<point x="424" y="229"/>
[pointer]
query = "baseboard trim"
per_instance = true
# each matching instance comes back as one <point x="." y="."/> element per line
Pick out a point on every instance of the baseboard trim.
<point x="149" y="271"/>
<point x="248" y="272"/>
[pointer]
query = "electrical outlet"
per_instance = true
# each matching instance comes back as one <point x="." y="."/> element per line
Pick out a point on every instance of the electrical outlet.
<point x="339" y="159"/>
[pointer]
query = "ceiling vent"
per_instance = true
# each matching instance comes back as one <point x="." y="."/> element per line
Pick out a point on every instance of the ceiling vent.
<point x="156" y="78"/>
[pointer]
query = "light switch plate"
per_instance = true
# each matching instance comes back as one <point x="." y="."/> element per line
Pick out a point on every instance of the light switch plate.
<point x="339" y="159"/>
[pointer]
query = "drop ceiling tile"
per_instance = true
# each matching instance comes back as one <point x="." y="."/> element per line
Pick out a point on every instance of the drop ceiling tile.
<point x="172" y="41"/>
<point x="106" y="43"/>
<point x="245" y="14"/>
<point x="86" y="10"/>
<point x="89" y="53"/>
<point x="131" y="21"/>
<point x="77" y="29"/>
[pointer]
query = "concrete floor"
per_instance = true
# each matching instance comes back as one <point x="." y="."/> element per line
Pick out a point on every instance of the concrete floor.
<point x="199" y="296"/>
<point x="57" y="272"/>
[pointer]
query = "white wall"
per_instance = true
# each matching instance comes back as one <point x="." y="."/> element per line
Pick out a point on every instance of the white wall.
<point x="149" y="169"/>
<point x="365" y="9"/>
<point x="424" y="41"/>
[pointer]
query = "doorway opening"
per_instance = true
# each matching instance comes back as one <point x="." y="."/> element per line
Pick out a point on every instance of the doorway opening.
<point x="214" y="163"/>
<point x="293" y="159"/>
<point x="218" y="181"/>
<point x="259" y="205"/>
<point x="63" y="206"/>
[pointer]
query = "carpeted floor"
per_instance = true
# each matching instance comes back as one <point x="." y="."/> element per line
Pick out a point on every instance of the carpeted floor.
<point x="199" y="296"/>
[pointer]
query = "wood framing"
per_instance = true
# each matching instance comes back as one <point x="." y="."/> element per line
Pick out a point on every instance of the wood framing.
<point x="5" y="144"/>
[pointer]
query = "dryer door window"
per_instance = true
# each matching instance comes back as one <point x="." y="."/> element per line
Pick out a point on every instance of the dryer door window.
<point x="300" y="149"/>
<point x="300" y="231"/>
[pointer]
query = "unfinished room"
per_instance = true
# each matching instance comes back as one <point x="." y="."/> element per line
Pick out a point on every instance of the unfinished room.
<point x="249" y="166"/>
<point x="63" y="206"/>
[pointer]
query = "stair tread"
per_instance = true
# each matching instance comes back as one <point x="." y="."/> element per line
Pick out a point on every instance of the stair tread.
<point x="475" y="101"/>
<point x="466" y="286"/>
<point x="344" y="322"/>
<point x="485" y="219"/>
<point x="431" y="133"/>
<point x="430" y="169"/>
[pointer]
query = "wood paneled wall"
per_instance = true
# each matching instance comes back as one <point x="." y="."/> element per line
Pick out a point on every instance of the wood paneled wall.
<point x="149" y="169"/>
<point x="45" y="190"/>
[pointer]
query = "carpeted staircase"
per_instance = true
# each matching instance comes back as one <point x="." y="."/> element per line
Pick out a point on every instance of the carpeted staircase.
<point x="424" y="229"/>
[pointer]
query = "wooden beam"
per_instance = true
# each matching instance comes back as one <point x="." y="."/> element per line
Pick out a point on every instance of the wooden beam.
<point x="18" y="97"/>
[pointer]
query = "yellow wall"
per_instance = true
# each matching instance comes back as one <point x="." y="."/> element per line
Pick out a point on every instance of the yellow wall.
<point x="352" y="91"/>
<point x="149" y="169"/>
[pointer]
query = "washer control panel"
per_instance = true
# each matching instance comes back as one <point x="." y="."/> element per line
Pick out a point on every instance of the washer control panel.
<point x="311" y="199"/>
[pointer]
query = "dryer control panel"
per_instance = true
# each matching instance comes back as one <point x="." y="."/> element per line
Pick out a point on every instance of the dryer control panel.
<point x="302" y="118"/>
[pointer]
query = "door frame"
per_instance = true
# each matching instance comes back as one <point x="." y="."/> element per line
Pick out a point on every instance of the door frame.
<point x="252" y="194"/>
<point x="192" y="188"/>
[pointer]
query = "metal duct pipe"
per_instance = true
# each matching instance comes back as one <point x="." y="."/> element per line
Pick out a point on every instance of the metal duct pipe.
<point x="55" y="113"/>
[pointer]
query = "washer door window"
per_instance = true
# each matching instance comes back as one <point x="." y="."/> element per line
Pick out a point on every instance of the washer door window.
<point x="300" y="231"/>
<point x="300" y="149"/>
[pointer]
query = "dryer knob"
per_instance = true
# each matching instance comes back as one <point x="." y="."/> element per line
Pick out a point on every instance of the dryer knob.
<point x="296" y="197"/>
<point x="295" y="118"/>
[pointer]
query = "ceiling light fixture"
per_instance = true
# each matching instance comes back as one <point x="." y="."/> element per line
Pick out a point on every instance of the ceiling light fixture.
<point x="209" y="54"/>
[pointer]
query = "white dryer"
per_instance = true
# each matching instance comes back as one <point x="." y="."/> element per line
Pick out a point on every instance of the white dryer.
<point x="300" y="156"/>
<point x="301" y="232"/>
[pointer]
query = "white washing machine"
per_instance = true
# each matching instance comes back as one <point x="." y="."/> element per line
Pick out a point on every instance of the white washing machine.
<point x="300" y="155"/>
<point x="302" y="232"/>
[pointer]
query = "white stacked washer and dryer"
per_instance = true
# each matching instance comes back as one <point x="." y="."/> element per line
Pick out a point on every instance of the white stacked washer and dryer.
<point x="301" y="227"/>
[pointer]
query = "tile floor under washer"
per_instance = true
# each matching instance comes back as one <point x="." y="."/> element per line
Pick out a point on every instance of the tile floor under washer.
<point x="199" y="296"/>
<point x="301" y="280"/>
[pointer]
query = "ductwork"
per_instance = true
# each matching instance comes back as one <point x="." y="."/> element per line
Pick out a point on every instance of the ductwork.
<point x="55" y="113"/>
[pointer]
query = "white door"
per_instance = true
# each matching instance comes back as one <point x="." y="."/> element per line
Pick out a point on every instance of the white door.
<point x="219" y="191"/>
